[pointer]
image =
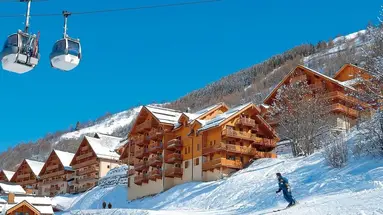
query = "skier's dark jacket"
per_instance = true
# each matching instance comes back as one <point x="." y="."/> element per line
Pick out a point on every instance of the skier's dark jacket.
<point x="283" y="184"/>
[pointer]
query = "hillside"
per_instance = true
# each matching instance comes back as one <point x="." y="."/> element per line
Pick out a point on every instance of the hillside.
<point x="319" y="189"/>
<point x="251" y="84"/>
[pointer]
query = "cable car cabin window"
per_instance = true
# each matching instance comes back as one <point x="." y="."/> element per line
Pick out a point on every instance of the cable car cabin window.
<point x="60" y="46"/>
<point x="73" y="48"/>
<point x="11" y="41"/>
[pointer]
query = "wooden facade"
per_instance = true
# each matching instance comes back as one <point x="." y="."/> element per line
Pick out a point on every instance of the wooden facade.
<point x="27" y="175"/>
<point x="337" y="90"/>
<point x="23" y="207"/>
<point x="6" y="176"/>
<point x="166" y="149"/>
<point x="56" y="173"/>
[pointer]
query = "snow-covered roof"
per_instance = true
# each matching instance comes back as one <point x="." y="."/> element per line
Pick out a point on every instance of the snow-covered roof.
<point x="65" y="158"/>
<point x="216" y="121"/>
<point x="8" y="187"/>
<point x="117" y="141"/>
<point x="34" y="200"/>
<point x="165" y="115"/>
<point x="193" y="116"/>
<point x="8" y="174"/>
<point x="103" y="148"/>
<point x="35" y="166"/>
<point x="44" y="209"/>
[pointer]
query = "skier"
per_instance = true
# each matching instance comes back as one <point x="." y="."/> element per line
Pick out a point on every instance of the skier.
<point x="285" y="187"/>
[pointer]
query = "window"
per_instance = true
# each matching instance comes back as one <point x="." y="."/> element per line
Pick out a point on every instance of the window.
<point x="230" y="157"/>
<point x="108" y="166"/>
<point x="129" y="182"/>
<point x="198" y="147"/>
<point x="186" y="150"/>
<point x="196" y="161"/>
<point x="214" y="142"/>
<point x="189" y="149"/>
<point x="186" y="164"/>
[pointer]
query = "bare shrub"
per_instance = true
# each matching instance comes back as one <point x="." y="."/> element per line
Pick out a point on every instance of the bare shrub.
<point x="336" y="152"/>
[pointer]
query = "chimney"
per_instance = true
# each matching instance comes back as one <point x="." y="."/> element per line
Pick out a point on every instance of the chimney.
<point x="11" y="198"/>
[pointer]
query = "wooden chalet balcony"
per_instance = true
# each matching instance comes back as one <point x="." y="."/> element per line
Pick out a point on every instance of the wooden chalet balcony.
<point x="174" y="144"/>
<point x="346" y="98"/>
<point x="221" y="162"/>
<point x="140" y="140"/>
<point x="52" y="189"/>
<point x="155" y="134"/>
<point x="131" y="172"/>
<point x="27" y="182"/>
<point x="56" y="180"/>
<point x="173" y="158"/>
<point x="145" y="126"/>
<point x="86" y="155"/>
<point x="246" y="122"/>
<point x="141" y="153"/>
<point x="52" y="167"/>
<point x="85" y="163"/>
<point x="87" y="178"/>
<point x="174" y="172"/>
<point x="346" y="110"/>
<point x="247" y="150"/>
<point x="140" y="166"/>
<point x="88" y="170"/>
<point x="298" y="78"/>
<point x="139" y="179"/>
<point x="265" y="143"/>
<point x="22" y="176"/>
<point x="155" y="174"/>
<point x="53" y="174"/>
<point x="238" y="134"/>
<point x="155" y="146"/>
<point x="155" y="161"/>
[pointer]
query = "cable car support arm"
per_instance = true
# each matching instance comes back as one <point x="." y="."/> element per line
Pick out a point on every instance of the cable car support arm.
<point x="66" y="14"/>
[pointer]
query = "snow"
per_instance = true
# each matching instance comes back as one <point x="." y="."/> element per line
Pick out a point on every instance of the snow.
<point x="7" y="187"/>
<point x="107" y="126"/>
<point x="34" y="200"/>
<point x="35" y="166"/>
<point x="102" y="148"/>
<point x="116" y="141"/>
<point x="8" y="174"/>
<point x="44" y="209"/>
<point x="222" y="117"/>
<point x="164" y="115"/>
<point x="65" y="158"/>
<point x="319" y="189"/>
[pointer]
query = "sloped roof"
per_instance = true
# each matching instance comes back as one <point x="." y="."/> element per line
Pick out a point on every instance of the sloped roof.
<point x="200" y="113"/>
<point x="9" y="187"/>
<point x="347" y="65"/>
<point x="117" y="141"/>
<point x="103" y="149"/>
<point x="164" y="115"/>
<point x="65" y="158"/>
<point x="8" y="174"/>
<point x="339" y="83"/>
<point x="216" y="121"/>
<point x="35" y="166"/>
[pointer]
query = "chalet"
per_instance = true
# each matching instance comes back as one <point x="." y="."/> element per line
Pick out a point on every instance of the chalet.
<point x="338" y="91"/>
<point x="19" y="204"/>
<point x="166" y="147"/>
<point x="27" y="175"/>
<point x="5" y="176"/>
<point x="56" y="173"/>
<point x="94" y="158"/>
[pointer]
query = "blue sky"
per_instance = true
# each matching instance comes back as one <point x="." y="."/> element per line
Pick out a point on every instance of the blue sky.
<point x="154" y="55"/>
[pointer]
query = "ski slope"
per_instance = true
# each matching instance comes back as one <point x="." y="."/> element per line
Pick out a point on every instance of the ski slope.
<point x="319" y="189"/>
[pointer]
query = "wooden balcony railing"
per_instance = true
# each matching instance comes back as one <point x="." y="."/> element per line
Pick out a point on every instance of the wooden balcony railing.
<point x="173" y="158"/>
<point x="140" y="166"/>
<point x="53" y="174"/>
<point x="247" y="150"/>
<point x="155" y="146"/>
<point x="216" y="163"/>
<point x="144" y="126"/>
<point x="155" y="134"/>
<point x="155" y="161"/>
<point x="92" y="177"/>
<point x="246" y="122"/>
<point x="174" y="172"/>
<point x="265" y="155"/>
<point x="52" y="167"/>
<point x="265" y="143"/>
<point x="26" y="175"/>
<point x="88" y="170"/>
<point x="141" y="152"/>
<point x="155" y="174"/>
<point x="27" y="182"/>
<point x="342" y="96"/>
<point x="174" y="144"/>
<point x="140" y="140"/>
<point x="85" y="163"/>
<point x="81" y="157"/>
<point x="346" y="110"/>
<point x="51" y="189"/>
<point x="238" y="134"/>
<point x="52" y="181"/>
<point x="142" y="178"/>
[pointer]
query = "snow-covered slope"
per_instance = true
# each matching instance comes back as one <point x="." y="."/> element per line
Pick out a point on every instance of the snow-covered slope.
<point x="355" y="189"/>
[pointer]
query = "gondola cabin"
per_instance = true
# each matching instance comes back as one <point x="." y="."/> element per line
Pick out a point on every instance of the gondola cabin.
<point x="66" y="54"/>
<point x="20" y="53"/>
